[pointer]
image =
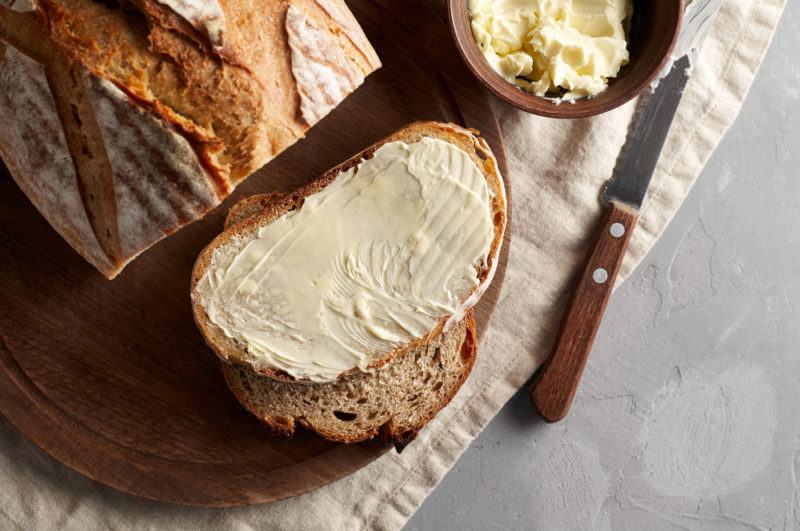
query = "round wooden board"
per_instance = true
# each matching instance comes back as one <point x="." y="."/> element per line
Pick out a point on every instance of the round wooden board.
<point x="113" y="379"/>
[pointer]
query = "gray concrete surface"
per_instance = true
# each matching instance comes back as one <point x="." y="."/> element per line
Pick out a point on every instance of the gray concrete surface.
<point x="689" y="413"/>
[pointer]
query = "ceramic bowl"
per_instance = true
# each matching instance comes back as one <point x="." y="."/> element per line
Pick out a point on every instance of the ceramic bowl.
<point x="653" y="30"/>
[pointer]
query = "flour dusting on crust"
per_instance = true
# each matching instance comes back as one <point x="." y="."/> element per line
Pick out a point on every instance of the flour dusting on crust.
<point x="159" y="182"/>
<point x="323" y="73"/>
<point x="36" y="153"/>
<point x="205" y="16"/>
<point x="339" y="12"/>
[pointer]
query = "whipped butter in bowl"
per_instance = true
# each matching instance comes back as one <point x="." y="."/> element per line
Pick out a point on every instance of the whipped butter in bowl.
<point x="565" y="49"/>
<point x="540" y="54"/>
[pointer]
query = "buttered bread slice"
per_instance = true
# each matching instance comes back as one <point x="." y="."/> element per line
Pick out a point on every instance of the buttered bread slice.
<point x="394" y="402"/>
<point x="375" y="258"/>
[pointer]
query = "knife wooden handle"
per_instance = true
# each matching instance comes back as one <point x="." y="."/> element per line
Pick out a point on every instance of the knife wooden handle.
<point x="554" y="387"/>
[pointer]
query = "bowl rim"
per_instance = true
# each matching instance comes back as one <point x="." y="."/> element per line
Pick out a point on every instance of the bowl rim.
<point x="458" y="17"/>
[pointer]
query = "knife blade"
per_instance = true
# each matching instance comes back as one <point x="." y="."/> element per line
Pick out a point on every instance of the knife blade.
<point x="554" y="387"/>
<point x="640" y="154"/>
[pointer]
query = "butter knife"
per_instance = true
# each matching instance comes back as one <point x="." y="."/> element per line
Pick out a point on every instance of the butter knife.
<point x="554" y="386"/>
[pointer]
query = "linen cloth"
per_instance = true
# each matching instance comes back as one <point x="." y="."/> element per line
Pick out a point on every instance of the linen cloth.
<point x="556" y="169"/>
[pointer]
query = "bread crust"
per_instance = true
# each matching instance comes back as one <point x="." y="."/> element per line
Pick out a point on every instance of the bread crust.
<point x="229" y="350"/>
<point x="236" y="106"/>
<point x="243" y="97"/>
<point x="249" y="206"/>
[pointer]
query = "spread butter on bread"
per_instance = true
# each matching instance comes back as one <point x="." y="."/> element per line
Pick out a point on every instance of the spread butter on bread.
<point x="377" y="257"/>
<point x="393" y="403"/>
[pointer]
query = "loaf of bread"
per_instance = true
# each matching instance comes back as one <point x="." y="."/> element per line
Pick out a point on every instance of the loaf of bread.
<point x="126" y="120"/>
<point x="371" y="261"/>
<point x="393" y="403"/>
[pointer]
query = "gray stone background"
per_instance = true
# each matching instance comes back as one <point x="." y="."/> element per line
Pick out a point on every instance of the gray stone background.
<point x="689" y="413"/>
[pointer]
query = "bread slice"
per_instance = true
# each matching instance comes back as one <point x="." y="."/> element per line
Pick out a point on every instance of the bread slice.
<point x="393" y="402"/>
<point x="231" y="350"/>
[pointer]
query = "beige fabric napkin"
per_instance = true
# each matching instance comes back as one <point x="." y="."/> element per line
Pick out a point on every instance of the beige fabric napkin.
<point x="556" y="171"/>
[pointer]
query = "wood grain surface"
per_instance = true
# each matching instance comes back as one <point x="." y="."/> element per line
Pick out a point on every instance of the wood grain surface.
<point x="113" y="379"/>
<point x="555" y="385"/>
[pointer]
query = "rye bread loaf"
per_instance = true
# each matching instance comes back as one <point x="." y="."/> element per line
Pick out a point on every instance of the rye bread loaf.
<point x="129" y="119"/>
<point x="394" y="402"/>
<point x="231" y="350"/>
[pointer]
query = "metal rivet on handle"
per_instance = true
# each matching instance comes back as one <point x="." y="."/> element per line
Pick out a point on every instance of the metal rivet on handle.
<point x="600" y="275"/>
<point x="617" y="230"/>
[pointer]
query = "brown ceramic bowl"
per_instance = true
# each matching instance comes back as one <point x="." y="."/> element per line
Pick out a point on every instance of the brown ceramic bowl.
<point x="654" y="29"/>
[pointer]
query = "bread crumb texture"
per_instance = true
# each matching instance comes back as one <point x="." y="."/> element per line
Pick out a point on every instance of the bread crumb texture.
<point x="393" y="402"/>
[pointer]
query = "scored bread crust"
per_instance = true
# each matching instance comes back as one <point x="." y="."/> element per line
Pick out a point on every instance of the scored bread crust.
<point x="229" y="108"/>
<point x="230" y="350"/>
<point x="386" y="403"/>
<point x="243" y="98"/>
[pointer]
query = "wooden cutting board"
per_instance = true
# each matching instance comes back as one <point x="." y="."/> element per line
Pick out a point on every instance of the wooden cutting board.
<point x="112" y="378"/>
